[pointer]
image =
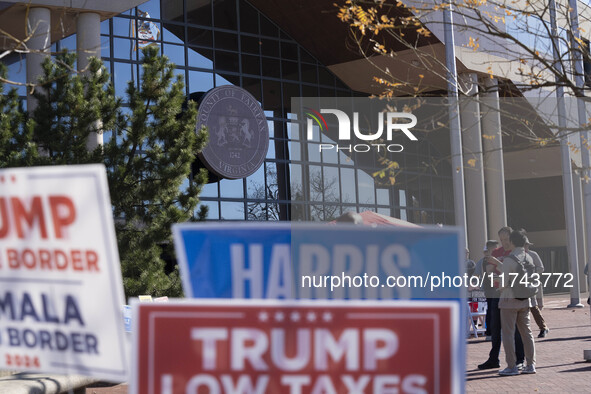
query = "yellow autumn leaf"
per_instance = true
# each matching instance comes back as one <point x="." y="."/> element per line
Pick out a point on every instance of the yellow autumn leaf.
<point x="392" y="180"/>
<point x="472" y="162"/>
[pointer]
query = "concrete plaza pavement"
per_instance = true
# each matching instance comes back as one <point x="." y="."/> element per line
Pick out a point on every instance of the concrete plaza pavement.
<point x="559" y="357"/>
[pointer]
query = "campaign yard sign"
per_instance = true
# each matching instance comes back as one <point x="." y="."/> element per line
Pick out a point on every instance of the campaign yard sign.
<point x="264" y="346"/>
<point x="60" y="281"/>
<point x="283" y="261"/>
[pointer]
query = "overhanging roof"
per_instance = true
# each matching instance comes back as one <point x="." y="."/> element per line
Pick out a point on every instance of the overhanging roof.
<point x="13" y="16"/>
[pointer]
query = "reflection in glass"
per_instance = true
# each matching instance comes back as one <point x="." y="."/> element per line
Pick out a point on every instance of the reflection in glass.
<point x="168" y="36"/>
<point x="348" y="185"/>
<point x="122" y="48"/>
<point x="365" y="185"/>
<point x="231" y="188"/>
<point x="213" y="209"/>
<point x="200" y="81"/>
<point x="256" y="183"/>
<point x="232" y="210"/>
<point x="210" y="190"/>
<point x="383" y="196"/>
<point x="152" y="7"/>
<point x="175" y="53"/>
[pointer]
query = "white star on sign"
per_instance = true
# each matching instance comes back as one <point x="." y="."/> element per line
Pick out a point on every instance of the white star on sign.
<point x="295" y="316"/>
<point x="263" y="316"/>
<point x="279" y="316"/>
<point x="311" y="316"/>
<point x="327" y="316"/>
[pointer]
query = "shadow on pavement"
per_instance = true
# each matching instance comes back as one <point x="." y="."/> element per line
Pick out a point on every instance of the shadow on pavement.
<point x="584" y="367"/>
<point x="586" y="337"/>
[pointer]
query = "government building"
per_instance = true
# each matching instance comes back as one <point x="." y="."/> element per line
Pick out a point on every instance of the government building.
<point x="280" y="51"/>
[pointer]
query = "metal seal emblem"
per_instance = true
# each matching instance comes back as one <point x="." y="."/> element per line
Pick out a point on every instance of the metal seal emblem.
<point x="238" y="132"/>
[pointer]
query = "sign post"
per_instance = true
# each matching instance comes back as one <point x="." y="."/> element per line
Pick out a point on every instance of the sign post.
<point x="61" y="292"/>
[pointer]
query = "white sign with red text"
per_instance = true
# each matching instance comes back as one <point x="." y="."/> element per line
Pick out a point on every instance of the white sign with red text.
<point x="60" y="280"/>
<point x="265" y="346"/>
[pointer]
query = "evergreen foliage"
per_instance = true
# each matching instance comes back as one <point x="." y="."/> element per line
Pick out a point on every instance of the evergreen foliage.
<point x="148" y="152"/>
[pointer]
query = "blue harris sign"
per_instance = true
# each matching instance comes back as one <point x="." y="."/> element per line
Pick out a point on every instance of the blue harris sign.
<point x="319" y="261"/>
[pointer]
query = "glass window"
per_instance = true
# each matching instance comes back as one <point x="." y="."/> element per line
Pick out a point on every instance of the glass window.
<point x="268" y="28"/>
<point x="331" y="185"/>
<point x="226" y="79"/>
<point x="226" y="41"/>
<point x="271" y="68"/>
<point x="251" y="65"/>
<point x="289" y="51"/>
<point x="289" y="70"/>
<point x="174" y="34"/>
<point x="293" y="131"/>
<point x="224" y="14"/>
<point x="122" y="48"/>
<point x="313" y="152"/>
<point x="213" y="212"/>
<point x="384" y="211"/>
<point x="249" y="18"/>
<point x="383" y="196"/>
<point x="227" y="61"/>
<point x="210" y="190"/>
<point x="271" y="95"/>
<point x="199" y="12"/>
<point x="200" y="58"/>
<point x="402" y="197"/>
<point x="269" y="47"/>
<point x="309" y="73"/>
<point x="232" y="210"/>
<point x="295" y="151"/>
<point x="68" y="43"/>
<point x="315" y="134"/>
<point x="231" y="188"/>
<point x="325" y="77"/>
<point x="122" y="27"/>
<point x="271" y="150"/>
<point x="105" y="27"/>
<point x="105" y="47"/>
<point x="199" y="37"/>
<point x="403" y="214"/>
<point x="348" y="185"/>
<point x="306" y="57"/>
<point x="122" y="75"/>
<point x="250" y="44"/>
<point x="255" y="184"/>
<point x="172" y="10"/>
<point x="366" y="188"/>
<point x="329" y="155"/>
<point x="253" y="86"/>
<point x="309" y="91"/>
<point x="175" y="53"/>
<point x="150" y="9"/>
<point x="345" y="160"/>
<point x="200" y="81"/>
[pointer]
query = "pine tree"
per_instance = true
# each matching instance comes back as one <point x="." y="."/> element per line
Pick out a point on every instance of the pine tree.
<point x="148" y="154"/>
<point x="16" y="145"/>
<point x="149" y="160"/>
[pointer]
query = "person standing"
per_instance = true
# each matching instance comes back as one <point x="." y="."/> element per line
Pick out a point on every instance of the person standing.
<point x="493" y="293"/>
<point x="491" y="244"/>
<point x="515" y="312"/>
<point x="536" y="306"/>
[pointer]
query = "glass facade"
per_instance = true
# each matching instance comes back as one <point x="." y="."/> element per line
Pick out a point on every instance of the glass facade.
<point x="221" y="42"/>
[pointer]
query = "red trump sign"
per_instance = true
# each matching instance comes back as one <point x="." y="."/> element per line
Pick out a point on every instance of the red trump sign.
<point x="240" y="346"/>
